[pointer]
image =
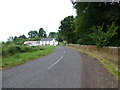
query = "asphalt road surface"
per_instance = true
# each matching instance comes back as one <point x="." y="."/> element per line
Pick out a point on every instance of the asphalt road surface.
<point x="60" y="69"/>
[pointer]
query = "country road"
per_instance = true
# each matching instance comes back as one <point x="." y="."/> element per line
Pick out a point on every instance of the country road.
<point x="60" y="69"/>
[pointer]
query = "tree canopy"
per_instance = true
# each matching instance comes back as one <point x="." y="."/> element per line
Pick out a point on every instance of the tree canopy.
<point x="42" y="33"/>
<point x="91" y="14"/>
<point x="33" y="34"/>
<point x="94" y="20"/>
<point x="67" y="29"/>
<point x="53" y="35"/>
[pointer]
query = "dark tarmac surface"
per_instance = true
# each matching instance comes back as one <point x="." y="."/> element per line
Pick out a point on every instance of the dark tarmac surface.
<point x="64" y="68"/>
<point x="60" y="69"/>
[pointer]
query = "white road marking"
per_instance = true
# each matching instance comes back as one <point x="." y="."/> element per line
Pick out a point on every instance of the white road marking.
<point x="64" y="52"/>
<point x="55" y="62"/>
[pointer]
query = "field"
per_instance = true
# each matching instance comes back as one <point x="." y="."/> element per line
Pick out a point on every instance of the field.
<point x="12" y="56"/>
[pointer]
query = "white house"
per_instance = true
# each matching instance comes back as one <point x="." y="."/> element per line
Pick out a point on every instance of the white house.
<point x="48" y="41"/>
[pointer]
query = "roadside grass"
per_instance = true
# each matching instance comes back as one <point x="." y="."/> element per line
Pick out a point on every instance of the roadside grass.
<point x="112" y="68"/>
<point x="20" y="58"/>
<point x="62" y="44"/>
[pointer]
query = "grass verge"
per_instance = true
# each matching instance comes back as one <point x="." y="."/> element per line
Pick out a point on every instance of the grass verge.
<point x="113" y="69"/>
<point x="20" y="58"/>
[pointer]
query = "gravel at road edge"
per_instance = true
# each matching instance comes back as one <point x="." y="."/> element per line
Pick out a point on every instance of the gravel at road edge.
<point x="95" y="75"/>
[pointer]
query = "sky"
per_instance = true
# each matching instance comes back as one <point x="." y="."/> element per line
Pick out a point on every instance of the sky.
<point x="18" y="17"/>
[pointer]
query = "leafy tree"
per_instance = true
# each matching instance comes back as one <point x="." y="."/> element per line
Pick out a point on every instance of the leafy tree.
<point x="33" y="34"/>
<point x="53" y="35"/>
<point x="42" y="33"/>
<point x="67" y="29"/>
<point x="22" y="37"/>
<point x="15" y="38"/>
<point x="96" y="14"/>
<point x="102" y="38"/>
<point x="59" y="37"/>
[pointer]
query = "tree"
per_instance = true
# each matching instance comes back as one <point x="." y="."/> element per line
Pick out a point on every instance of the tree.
<point x="102" y="38"/>
<point x="15" y="38"/>
<point x="67" y="29"/>
<point x="22" y="37"/>
<point x="95" y="14"/>
<point x="59" y="37"/>
<point x="33" y="34"/>
<point x="53" y="35"/>
<point x="42" y="33"/>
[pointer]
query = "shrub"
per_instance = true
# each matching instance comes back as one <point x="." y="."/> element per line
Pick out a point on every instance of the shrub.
<point x="102" y="38"/>
<point x="8" y="50"/>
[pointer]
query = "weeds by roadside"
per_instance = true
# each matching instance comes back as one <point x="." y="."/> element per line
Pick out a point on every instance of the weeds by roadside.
<point x="8" y="50"/>
<point x="22" y="57"/>
<point x="113" y="69"/>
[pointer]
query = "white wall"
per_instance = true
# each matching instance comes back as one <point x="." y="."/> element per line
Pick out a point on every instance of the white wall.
<point x="53" y="42"/>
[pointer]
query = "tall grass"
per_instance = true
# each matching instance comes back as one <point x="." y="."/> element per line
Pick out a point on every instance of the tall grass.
<point x="8" y="50"/>
<point x="21" y="55"/>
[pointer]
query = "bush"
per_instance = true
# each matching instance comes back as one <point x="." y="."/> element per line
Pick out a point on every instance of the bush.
<point x="102" y="38"/>
<point x="8" y="50"/>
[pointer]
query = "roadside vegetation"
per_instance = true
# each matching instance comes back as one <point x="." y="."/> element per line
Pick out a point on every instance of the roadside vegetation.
<point x="62" y="44"/>
<point x="9" y="50"/>
<point x="96" y="23"/>
<point x="111" y="67"/>
<point x="15" y="54"/>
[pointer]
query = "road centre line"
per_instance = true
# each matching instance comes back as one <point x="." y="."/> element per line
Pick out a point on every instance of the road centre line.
<point x="55" y="62"/>
<point x="64" y="51"/>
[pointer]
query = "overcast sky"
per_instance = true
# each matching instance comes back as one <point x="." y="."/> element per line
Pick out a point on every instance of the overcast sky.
<point x="18" y="17"/>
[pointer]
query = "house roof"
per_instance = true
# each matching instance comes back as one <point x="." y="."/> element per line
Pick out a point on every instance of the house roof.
<point x="47" y="39"/>
<point x="30" y="42"/>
